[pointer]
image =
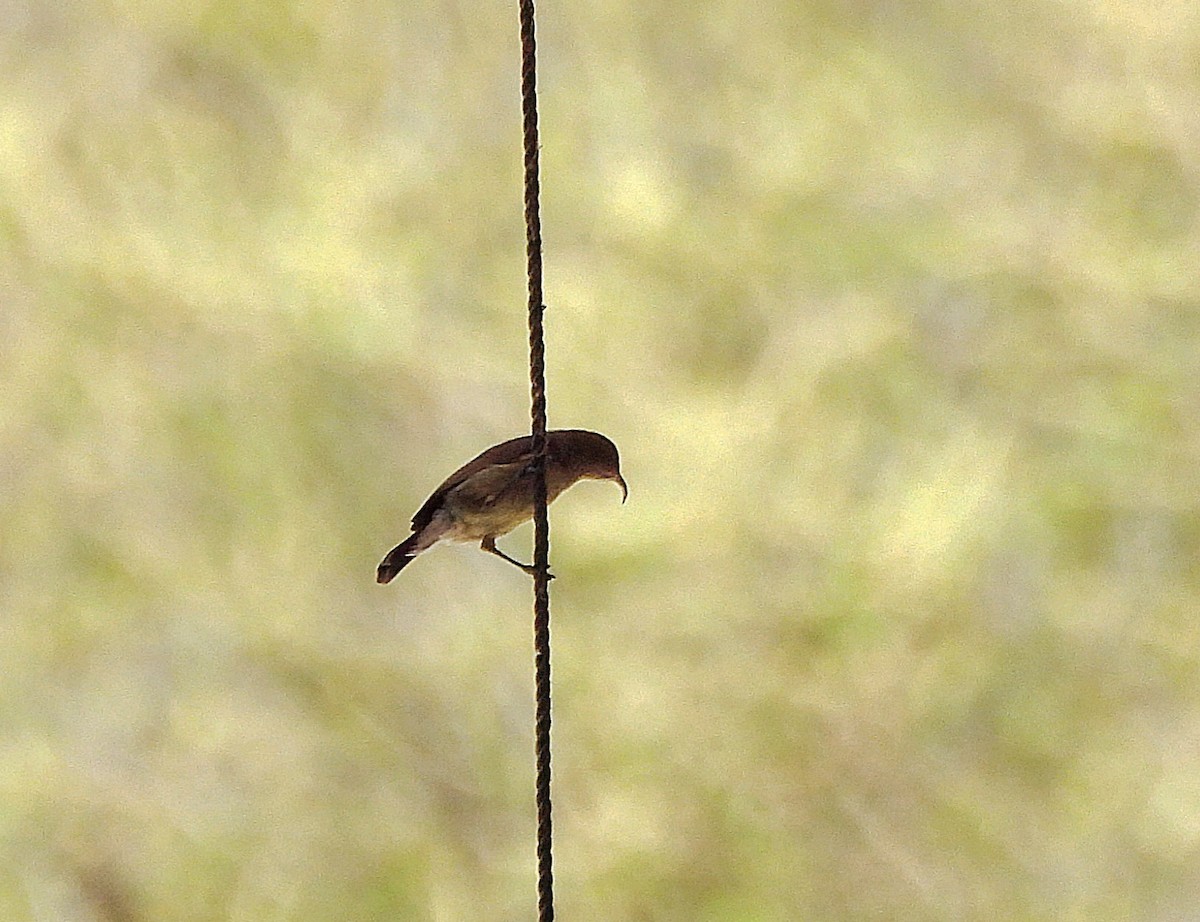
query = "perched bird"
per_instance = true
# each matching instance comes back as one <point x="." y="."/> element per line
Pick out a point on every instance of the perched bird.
<point x="492" y="494"/>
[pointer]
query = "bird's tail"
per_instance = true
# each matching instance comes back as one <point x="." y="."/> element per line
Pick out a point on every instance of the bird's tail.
<point x="398" y="558"/>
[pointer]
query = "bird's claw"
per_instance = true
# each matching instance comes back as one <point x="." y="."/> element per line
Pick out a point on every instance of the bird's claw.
<point x="532" y="571"/>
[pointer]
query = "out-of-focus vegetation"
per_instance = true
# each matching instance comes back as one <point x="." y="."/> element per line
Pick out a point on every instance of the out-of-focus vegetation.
<point x="892" y="309"/>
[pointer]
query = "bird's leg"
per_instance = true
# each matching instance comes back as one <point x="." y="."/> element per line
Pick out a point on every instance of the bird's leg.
<point x="489" y="544"/>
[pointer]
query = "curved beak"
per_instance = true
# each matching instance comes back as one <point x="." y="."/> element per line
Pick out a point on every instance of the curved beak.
<point x="624" y="487"/>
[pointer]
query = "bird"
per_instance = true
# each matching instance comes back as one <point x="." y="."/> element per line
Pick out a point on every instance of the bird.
<point x="492" y="494"/>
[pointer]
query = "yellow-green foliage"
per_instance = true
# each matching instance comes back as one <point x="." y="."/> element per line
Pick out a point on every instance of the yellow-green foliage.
<point x="892" y="310"/>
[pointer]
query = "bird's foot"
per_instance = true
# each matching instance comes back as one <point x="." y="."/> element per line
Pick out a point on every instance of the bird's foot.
<point x="489" y="545"/>
<point x="532" y="570"/>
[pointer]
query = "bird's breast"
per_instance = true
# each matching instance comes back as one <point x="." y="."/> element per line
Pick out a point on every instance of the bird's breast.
<point x="474" y="524"/>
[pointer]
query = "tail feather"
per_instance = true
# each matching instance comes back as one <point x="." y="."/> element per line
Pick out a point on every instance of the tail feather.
<point x="397" y="559"/>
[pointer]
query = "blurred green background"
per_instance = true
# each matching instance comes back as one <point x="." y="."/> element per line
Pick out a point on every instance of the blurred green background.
<point x="892" y="310"/>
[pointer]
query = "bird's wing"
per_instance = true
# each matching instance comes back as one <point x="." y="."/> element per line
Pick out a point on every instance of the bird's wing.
<point x="514" y="451"/>
<point x="481" y="489"/>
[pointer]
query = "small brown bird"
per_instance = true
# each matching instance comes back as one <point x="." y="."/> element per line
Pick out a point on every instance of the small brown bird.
<point x="492" y="494"/>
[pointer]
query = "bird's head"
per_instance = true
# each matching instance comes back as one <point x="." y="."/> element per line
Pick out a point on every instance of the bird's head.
<point x="588" y="455"/>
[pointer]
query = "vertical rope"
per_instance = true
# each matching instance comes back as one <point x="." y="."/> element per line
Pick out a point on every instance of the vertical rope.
<point x="541" y="521"/>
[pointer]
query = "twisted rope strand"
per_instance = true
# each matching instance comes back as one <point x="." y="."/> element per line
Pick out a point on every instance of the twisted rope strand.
<point x="541" y="520"/>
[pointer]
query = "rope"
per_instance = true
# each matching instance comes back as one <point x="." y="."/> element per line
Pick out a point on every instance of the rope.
<point x="541" y="521"/>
